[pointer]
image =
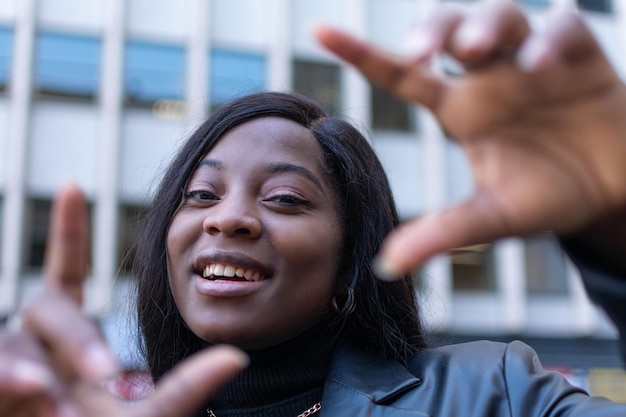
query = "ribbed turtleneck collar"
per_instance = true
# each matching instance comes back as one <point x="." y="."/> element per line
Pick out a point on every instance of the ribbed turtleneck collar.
<point x="280" y="381"/>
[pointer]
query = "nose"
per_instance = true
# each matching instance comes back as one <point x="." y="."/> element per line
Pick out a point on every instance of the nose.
<point x="233" y="217"/>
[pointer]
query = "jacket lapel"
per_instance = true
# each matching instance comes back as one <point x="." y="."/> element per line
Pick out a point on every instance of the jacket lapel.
<point x="361" y="385"/>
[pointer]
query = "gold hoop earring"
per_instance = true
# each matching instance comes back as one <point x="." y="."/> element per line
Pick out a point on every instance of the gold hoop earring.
<point x="348" y="307"/>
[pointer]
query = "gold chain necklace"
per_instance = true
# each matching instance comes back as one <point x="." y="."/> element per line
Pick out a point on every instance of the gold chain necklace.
<point x="306" y="413"/>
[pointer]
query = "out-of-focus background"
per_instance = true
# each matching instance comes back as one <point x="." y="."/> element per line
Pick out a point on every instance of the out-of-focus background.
<point x="102" y="92"/>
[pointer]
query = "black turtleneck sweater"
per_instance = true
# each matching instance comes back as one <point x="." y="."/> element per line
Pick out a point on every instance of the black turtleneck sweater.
<point x="281" y="381"/>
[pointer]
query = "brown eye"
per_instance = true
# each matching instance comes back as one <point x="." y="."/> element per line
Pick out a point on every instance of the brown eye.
<point x="200" y="196"/>
<point x="288" y="200"/>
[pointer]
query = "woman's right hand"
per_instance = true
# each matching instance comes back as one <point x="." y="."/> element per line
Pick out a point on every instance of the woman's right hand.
<point x="55" y="362"/>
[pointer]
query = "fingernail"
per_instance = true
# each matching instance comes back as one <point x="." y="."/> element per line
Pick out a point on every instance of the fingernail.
<point x="384" y="271"/>
<point x="101" y="363"/>
<point x="533" y="56"/>
<point x="418" y="45"/>
<point x="29" y="373"/>
<point x="472" y="36"/>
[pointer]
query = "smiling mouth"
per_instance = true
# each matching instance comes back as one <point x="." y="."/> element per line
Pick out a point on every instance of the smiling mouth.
<point x="218" y="271"/>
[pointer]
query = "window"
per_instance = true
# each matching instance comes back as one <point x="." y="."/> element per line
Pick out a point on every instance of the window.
<point x="389" y="112"/>
<point x="604" y="6"/>
<point x="67" y="65"/>
<point x="153" y="72"/>
<point x="546" y="271"/>
<point x="129" y="222"/>
<point x="319" y="81"/>
<point x="535" y="3"/>
<point x="38" y="221"/>
<point x="6" y="49"/>
<point x="473" y="268"/>
<point x="235" y="74"/>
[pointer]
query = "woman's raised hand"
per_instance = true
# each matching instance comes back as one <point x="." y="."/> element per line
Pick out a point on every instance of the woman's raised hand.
<point x="540" y="116"/>
<point x="55" y="362"/>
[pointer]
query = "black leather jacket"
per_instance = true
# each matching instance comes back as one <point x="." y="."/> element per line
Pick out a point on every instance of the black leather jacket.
<point x="477" y="379"/>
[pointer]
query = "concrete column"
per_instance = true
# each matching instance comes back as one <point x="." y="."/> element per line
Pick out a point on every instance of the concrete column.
<point x="438" y="274"/>
<point x="355" y="89"/>
<point x="279" y="54"/>
<point x="106" y="199"/>
<point x="197" y="76"/>
<point x="17" y="149"/>
<point x="584" y="322"/>
<point x="510" y="275"/>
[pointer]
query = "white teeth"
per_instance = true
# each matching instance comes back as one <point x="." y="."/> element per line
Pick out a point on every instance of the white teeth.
<point x="220" y="270"/>
<point x="229" y="271"/>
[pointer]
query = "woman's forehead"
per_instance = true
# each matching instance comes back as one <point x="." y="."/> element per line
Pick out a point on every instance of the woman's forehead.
<point x="272" y="138"/>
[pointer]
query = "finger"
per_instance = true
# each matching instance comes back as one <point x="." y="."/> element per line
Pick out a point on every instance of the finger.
<point x="66" y="251"/>
<point x="566" y="39"/>
<point x="190" y="384"/>
<point x="499" y="28"/>
<point x="75" y="343"/>
<point x="24" y="377"/>
<point x="427" y="38"/>
<point x="468" y="223"/>
<point x="396" y="74"/>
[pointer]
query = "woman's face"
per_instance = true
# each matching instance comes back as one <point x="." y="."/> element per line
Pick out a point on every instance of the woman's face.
<point x="253" y="250"/>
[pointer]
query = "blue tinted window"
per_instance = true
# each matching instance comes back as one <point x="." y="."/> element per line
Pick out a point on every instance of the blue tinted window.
<point x="6" y="50"/>
<point x="235" y="74"/>
<point x="154" y="72"/>
<point x="539" y="3"/>
<point x="67" y="64"/>
<point x="605" y="6"/>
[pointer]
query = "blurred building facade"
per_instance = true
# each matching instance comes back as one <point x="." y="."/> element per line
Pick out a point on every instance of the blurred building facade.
<point x="102" y="92"/>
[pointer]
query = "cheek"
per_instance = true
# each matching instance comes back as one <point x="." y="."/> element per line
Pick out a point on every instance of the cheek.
<point x="179" y="238"/>
<point x="313" y="248"/>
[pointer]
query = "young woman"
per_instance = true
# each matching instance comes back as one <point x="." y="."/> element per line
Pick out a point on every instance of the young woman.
<point x="262" y="233"/>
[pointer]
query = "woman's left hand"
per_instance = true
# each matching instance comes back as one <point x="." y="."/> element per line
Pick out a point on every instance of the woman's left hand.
<point x="539" y="115"/>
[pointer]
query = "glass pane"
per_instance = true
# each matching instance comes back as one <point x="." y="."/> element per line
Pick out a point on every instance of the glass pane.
<point x="235" y="74"/>
<point x="473" y="268"/>
<point x="537" y="3"/>
<point x="154" y="72"/>
<point x="67" y="64"/>
<point x="320" y="81"/>
<point x="389" y="112"/>
<point x="546" y="270"/>
<point x="39" y="213"/>
<point x="130" y="218"/>
<point x="6" y="50"/>
<point x="605" y="6"/>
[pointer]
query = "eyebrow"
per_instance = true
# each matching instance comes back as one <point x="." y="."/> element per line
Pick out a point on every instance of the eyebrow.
<point x="212" y="163"/>
<point x="280" y="167"/>
<point x="272" y="168"/>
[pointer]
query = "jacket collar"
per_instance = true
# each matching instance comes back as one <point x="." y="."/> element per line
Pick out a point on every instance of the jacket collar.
<point x="359" y="384"/>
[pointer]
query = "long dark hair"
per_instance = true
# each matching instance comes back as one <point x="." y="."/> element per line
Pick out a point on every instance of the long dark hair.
<point x="380" y="318"/>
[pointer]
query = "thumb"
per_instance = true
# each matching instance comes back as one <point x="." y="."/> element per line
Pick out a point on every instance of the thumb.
<point x="471" y="222"/>
<point x="66" y="250"/>
<point x="189" y="385"/>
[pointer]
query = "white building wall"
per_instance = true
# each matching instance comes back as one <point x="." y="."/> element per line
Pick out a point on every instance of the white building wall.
<point x="85" y="16"/>
<point x="164" y="20"/>
<point x="63" y="147"/>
